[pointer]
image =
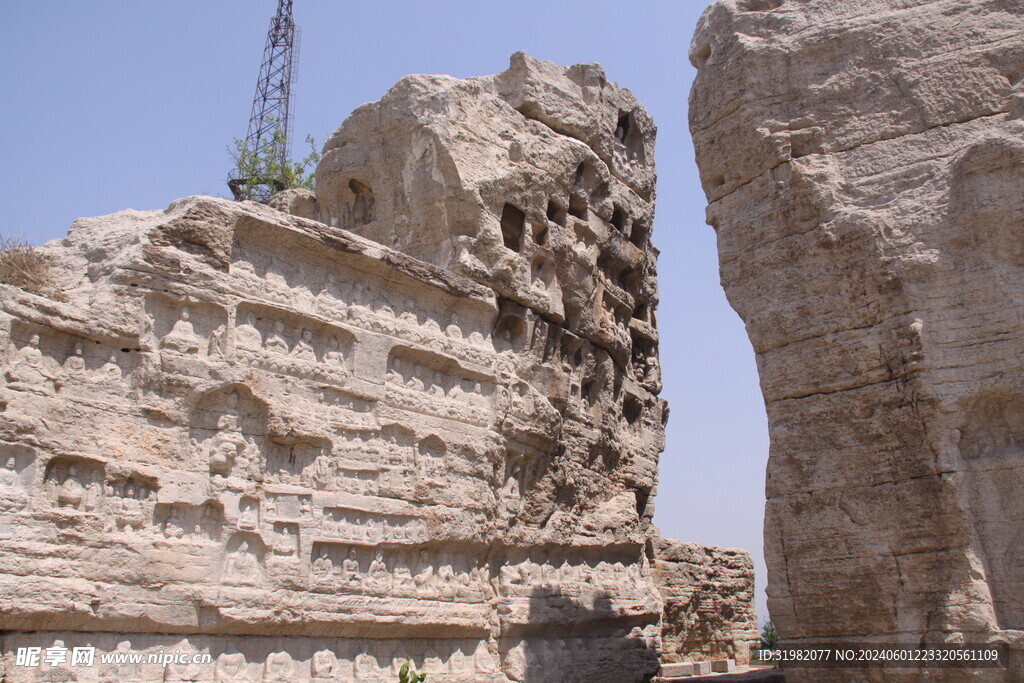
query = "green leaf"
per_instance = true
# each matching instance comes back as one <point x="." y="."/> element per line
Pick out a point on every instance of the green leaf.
<point x="261" y="172"/>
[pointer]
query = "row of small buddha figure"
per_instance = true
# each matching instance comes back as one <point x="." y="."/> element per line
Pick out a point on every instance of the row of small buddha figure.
<point x="305" y="347"/>
<point x="336" y="523"/>
<point x="128" y="504"/>
<point x="187" y="524"/>
<point x="361" y="303"/>
<point x="354" y="300"/>
<point x="396" y="314"/>
<point x="528" y="576"/>
<point x="298" y="507"/>
<point x="449" y="338"/>
<point x="370" y="479"/>
<point x="327" y="474"/>
<point x="449" y="575"/>
<point x="67" y="488"/>
<point x="364" y="463"/>
<point x="183" y="338"/>
<point x="339" y="525"/>
<point x="378" y="448"/>
<point x="417" y="377"/>
<point x="547" y="660"/>
<point x="32" y="370"/>
<point x="372" y="662"/>
<point x="358" y="660"/>
<point x="333" y="399"/>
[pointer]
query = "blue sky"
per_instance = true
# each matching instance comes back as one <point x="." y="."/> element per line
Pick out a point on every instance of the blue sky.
<point x="119" y="104"/>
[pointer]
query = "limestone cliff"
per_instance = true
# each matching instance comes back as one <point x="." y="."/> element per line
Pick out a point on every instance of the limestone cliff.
<point x="414" y="415"/>
<point x="864" y="167"/>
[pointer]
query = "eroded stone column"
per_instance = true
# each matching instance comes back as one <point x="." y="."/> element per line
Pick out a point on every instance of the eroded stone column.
<point x="863" y="167"/>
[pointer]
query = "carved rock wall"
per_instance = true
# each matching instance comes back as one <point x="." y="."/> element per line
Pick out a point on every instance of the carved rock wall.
<point x="708" y="596"/>
<point x="252" y="434"/>
<point x="538" y="182"/>
<point x="863" y="167"/>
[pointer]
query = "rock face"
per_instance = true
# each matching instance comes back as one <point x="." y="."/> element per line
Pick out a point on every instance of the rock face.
<point x="304" y="453"/>
<point x="708" y="598"/>
<point x="864" y="167"/>
<point x="538" y="182"/>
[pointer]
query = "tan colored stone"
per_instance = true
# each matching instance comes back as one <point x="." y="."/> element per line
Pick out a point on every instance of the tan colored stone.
<point x="414" y="415"/>
<point x="863" y="166"/>
<point x="537" y="182"/>
<point x="708" y="596"/>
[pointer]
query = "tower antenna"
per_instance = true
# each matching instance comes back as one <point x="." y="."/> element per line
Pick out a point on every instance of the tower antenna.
<point x="267" y="143"/>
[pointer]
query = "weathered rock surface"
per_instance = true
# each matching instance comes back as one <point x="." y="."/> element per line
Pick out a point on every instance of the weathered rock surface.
<point x="248" y="433"/>
<point x="708" y="598"/>
<point x="864" y="166"/>
<point x="538" y="182"/>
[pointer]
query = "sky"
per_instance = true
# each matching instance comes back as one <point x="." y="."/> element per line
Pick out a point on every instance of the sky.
<point x="128" y="104"/>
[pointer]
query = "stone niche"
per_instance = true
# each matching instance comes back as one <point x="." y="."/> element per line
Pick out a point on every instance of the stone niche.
<point x="415" y="416"/>
<point x="863" y="168"/>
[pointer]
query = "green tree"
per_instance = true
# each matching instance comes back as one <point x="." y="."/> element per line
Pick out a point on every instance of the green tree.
<point x="407" y="674"/>
<point x="261" y="172"/>
<point x="769" y="636"/>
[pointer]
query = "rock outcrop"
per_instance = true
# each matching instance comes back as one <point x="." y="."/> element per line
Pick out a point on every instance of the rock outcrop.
<point x="864" y="167"/>
<point x="412" y="415"/>
<point x="708" y="602"/>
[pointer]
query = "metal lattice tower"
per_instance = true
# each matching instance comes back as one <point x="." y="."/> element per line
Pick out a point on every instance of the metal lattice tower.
<point x="270" y="111"/>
